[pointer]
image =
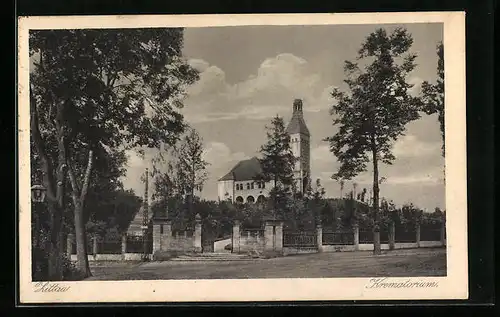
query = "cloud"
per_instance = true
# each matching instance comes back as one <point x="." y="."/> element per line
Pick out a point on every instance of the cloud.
<point x="218" y="154"/>
<point x="411" y="146"/>
<point x="267" y="92"/>
<point x="198" y="64"/>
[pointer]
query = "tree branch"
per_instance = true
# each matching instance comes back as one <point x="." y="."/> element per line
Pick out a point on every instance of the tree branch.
<point x="87" y="176"/>
<point x="73" y="181"/>
<point x="40" y="146"/>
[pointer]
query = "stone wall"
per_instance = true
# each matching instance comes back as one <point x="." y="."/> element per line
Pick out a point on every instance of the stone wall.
<point x="252" y="241"/>
<point x="268" y="239"/>
<point x="165" y="240"/>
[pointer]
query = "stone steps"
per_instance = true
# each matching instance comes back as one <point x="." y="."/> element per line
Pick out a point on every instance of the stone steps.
<point x="203" y="257"/>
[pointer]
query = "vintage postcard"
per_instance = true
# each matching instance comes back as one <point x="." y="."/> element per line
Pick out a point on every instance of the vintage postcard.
<point x="276" y="157"/>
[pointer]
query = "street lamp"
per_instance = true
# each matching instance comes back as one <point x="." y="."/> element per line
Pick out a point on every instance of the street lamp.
<point x="37" y="196"/>
<point x="38" y="193"/>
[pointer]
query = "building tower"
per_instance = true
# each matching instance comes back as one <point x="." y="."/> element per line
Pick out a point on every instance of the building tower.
<point x="301" y="147"/>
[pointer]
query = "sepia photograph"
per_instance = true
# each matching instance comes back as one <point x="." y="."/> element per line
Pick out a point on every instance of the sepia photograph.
<point x="245" y="155"/>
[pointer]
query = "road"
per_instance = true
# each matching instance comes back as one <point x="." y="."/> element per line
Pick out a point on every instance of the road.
<point x="416" y="262"/>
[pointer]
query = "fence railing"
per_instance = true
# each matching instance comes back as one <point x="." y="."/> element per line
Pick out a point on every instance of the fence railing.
<point x="338" y="238"/>
<point x="135" y="244"/>
<point x="366" y="237"/>
<point x="300" y="239"/>
<point x="405" y="236"/>
<point x="252" y="232"/>
<point x="430" y="234"/>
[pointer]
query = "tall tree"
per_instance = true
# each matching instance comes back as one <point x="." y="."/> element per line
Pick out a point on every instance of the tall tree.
<point x="433" y="94"/>
<point x="95" y="90"/>
<point x="185" y="170"/>
<point x="375" y="111"/>
<point x="277" y="163"/>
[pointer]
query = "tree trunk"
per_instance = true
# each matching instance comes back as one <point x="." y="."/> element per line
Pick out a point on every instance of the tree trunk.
<point x="376" y="227"/>
<point x="54" y="255"/>
<point x="78" y="201"/>
<point x="82" y="261"/>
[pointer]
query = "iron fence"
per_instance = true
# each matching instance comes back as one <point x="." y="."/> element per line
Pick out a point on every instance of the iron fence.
<point x="402" y="235"/>
<point x="135" y="244"/>
<point x="430" y="234"/>
<point x="300" y="239"/>
<point x="338" y="238"/>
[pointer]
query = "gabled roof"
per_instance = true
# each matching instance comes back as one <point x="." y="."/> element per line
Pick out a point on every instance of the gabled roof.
<point x="244" y="170"/>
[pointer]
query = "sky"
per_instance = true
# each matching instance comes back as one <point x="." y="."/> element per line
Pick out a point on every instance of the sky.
<point x="250" y="74"/>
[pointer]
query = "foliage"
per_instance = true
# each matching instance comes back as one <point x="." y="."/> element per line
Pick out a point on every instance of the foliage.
<point x="95" y="93"/>
<point x="277" y="157"/>
<point x="277" y="164"/>
<point x="433" y="94"/>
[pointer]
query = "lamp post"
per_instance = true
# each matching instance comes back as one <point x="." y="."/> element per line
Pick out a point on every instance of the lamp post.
<point x="145" y="220"/>
<point x="38" y="193"/>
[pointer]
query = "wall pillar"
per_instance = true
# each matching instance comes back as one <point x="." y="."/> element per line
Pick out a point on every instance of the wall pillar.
<point x="236" y="237"/>
<point x="197" y="234"/>
<point x="124" y="242"/>
<point x="69" y="244"/>
<point x="157" y="227"/>
<point x="278" y="239"/>
<point x="319" y="237"/>
<point x="392" y="235"/>
<point x="443" y="231"/>
<point x="94" y="245"/>
<point x="355" y="230"/>
<point x="417" y="234"/>
<point x="269" y="236"/>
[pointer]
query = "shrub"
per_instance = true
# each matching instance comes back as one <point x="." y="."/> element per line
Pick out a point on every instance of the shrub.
<point x="70" y="272"/>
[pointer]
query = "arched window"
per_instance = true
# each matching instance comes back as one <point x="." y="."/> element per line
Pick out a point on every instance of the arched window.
<point x="250" y="199"/>
<point x="261" y="199"/>
<point x="239" y="200"/>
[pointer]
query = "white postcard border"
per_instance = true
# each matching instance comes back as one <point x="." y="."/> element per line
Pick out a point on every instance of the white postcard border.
<point x="453" y="286"/>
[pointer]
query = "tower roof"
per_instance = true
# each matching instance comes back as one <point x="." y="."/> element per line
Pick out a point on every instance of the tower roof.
<point x="297" y="123"/>
<point x="244" y="170"/>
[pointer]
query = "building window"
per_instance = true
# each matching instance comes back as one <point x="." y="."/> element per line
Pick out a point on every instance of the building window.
<point x="251" y="185"/>
<point x="261" y="199"/>
<point x="248" y="185"/>
<point x="259" y="185"/>
<point x="161" y="229"/>
<point x="250" y="199"/>
<point x="239" y="199"/>
<point x="263" y="185"/>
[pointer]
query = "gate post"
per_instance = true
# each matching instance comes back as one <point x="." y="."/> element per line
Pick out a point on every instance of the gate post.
<point x="417" y="234"/>
<point x="319" y="237"/>
<point x="197" y="233"/>
<point x="356" y="236"/>
<point x="94" y="245"/>
<point x="269" y="237"/>
<point x="124" y="242"/>
<point x="279" y="237"/>
<point x="392" y="235"/>
<point x="443" y="230"/>
<point x="236" y="237"/>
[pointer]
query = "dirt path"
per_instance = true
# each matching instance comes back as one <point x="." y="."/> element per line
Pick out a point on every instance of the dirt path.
<point x="418" y="262"/>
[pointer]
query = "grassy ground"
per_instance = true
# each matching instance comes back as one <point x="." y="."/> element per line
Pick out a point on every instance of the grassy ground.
<point x="417" y="262"/>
